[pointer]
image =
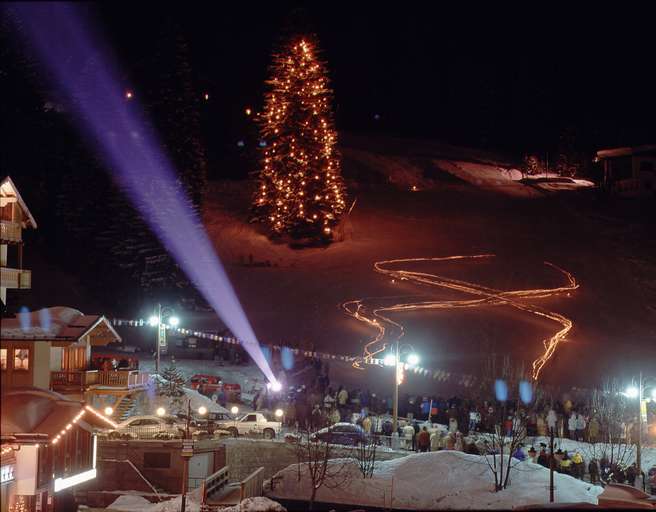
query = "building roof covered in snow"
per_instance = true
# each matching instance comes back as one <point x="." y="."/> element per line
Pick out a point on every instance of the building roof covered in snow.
<point x="28" y="412"/>
<point x="9" y="193"/>
<point x="58" y="324"/>
<point x="649" y="149"/>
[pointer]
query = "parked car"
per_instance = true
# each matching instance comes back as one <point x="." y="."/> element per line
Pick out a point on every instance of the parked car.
<point x="252" y="423"/>
<point x="149" y="427"/>
<point x="210" y="385"/>
<point x="341" y="433"/>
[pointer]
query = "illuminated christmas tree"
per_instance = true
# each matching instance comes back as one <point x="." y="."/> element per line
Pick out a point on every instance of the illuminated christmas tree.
<point x="300" y="190"/>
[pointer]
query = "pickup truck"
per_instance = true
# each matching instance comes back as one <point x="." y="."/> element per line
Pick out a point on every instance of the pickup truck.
<point x="254" y="423"/>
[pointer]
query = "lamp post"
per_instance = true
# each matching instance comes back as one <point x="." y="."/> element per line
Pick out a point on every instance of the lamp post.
<point x="638" y="392"/>
<point x="394" y="359"/>
<point x="156" y="321"/>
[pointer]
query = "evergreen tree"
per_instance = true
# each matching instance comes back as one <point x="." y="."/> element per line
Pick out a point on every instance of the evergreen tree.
<point x="173" y="384"/>
<point x="300" y="189"/>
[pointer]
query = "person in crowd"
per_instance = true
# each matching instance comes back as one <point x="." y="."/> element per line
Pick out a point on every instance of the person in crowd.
<point x="316" y="418"/>
<point x="571" y="425"/>
<point x="366" y="425"/>
<point x="541" y="425"/>
<point x="458" y="445"/>
<point x="631" y="474"/>
<point x="566" y="464"/>
<point x="580" y="427"/>
<point x="450" y="441"/>
<point x="533" y="455"/>
<point x="436" y="441"/>
<point x="342" y="397"/>
<point x="543" y="458"/>
<point x="593" y="470"/>
<point x="519" y="453"/>
<point x="423" y="440"/>
<point x="578" y="467"/>
<point x="335" y="417"/>
<point x="593" y="430"/>
<point x="474" y="419"/>
<point x="453" y="425"/>
<point x="508" y="426"/>
<point x="552" y="421"/>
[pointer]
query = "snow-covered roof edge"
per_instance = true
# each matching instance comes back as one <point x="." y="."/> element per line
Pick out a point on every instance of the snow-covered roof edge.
<point x="7" y="179"/>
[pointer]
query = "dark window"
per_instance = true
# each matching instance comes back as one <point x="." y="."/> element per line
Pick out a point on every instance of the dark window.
<point x="157" y="460"/>
<point x="149" y="422"/>
<point x="251" y="417"/>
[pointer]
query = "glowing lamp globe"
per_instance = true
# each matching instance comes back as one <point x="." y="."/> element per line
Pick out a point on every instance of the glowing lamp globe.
<point x="234" y="409"/>
<point x="153" y="321"/>
<point x="632" y="392"/>
<point x="276" y="386"/>
<point x="109" y="411"/>
<point x="202" y="410"/>
<point x="413" y="359"/>
<point x="161" y="411"/>
<point x="174" y="321"/>
<point x="278" y="413"/>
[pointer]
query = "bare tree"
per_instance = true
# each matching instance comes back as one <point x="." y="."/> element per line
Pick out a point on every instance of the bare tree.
<point x="365" y="457"/>
<point x="614" y="441"/>
<point x="316" y="461"/>
<point x="500" y="446"/>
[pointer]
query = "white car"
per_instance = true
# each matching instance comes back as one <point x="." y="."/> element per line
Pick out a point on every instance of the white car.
<point x="149" y="427"/>
<point x="254" y="423"/>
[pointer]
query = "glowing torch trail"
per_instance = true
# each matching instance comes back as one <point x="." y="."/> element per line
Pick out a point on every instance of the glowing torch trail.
<point x="388" y="330"/>
<point x="86" y="78"/>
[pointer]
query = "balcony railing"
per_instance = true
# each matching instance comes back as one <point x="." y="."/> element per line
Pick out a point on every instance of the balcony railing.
<point x="16" y="279"/>
<point x="10" y="231"/>
<point x="83" y="379"/>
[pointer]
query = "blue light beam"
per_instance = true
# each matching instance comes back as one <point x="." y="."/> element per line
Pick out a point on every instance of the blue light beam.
<point x="86" y="77"/>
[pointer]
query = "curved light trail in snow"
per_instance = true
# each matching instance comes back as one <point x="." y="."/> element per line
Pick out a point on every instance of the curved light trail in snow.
<point x="388" y="331"/>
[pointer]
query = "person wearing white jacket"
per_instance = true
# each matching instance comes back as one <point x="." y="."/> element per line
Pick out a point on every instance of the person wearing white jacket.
<point x="571" y="425"/>
<point x="580" y="427"/>
<point x="552" y="419"/>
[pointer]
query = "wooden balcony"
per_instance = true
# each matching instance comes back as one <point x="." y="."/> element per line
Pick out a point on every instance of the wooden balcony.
<point x="14" y="278"/>
<point x="63" y="381"/>
<point x="10" y="232"/>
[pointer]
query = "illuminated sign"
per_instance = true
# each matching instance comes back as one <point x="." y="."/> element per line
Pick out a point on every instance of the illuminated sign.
<point x="7" y="473"/>
<point x="85" y="476"/>
<point x="65" y="483"/>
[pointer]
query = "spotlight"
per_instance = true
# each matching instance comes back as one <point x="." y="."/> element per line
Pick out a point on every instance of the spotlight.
<point x="128" y="95"/>
<point x="275" y="386"/>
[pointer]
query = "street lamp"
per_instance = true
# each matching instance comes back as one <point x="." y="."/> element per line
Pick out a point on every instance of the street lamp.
<point x="638" y="392"/>
<point x="395" y="359"/>
<point x="108" y="411"/>
<point x="278" y="413"/>
<point x="161" y="411"/>
<point x="156" y="321"/>
<point x="234" y="410"/>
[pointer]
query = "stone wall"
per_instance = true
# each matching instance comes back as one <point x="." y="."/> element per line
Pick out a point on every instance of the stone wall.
<point x="244" y="456"/>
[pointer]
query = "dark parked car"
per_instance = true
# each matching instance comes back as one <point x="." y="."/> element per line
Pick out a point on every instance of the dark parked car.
<point x="341" y="433"/>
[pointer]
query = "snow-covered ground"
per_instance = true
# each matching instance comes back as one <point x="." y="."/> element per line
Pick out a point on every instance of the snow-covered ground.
<point x="436" y="481"/>
<point x="134" y="503"/>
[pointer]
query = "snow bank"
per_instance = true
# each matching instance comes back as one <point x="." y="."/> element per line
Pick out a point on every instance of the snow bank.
<point x="435" y="481"/>
<point x="131" y="503"/>
<point x="258" y="504"/>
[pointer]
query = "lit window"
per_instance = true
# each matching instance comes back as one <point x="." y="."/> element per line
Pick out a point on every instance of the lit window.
<point x="21" y="359"/>
<point x="3" y="358"/>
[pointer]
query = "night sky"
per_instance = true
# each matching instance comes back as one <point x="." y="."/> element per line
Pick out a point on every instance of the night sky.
<point x="499" y="78"/>
<point x="502" y="79"/>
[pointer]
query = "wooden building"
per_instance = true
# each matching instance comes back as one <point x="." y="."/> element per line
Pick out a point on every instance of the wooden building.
<point x="48" y="447"/>
<point x="629" y="171"/>
<point x="51" y="349"/>
<point x="14" y="218"/>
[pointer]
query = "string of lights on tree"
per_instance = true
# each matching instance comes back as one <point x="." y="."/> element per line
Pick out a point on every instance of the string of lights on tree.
<point x="300" y="189"/>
